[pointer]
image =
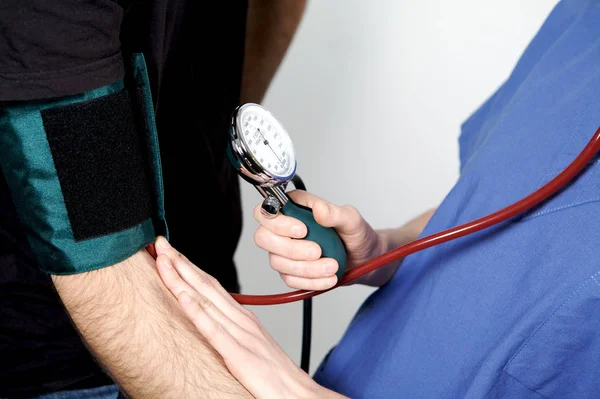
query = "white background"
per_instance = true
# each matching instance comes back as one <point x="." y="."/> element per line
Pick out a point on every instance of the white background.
<point x="373" y="94"/>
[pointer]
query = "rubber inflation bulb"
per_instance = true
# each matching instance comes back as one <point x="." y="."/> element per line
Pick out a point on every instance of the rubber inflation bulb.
<point x="328" y="239"/>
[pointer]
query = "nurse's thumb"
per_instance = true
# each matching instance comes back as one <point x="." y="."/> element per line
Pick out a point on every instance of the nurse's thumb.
<point x="345" y="219"/>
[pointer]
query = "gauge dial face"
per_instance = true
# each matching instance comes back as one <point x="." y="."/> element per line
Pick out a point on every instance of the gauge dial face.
<point x="266" y="140"/>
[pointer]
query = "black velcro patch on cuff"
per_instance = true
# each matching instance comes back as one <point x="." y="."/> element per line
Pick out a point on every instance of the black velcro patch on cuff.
<point x="98" y="149"/>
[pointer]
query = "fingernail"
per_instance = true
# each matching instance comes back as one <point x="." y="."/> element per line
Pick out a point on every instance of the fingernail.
<point x="168" y="264"/>
<point x="296" y="231"/>
<point x="331" y="268"/>
<point x="310" y="253"/>
<point x="185" y="297"/>
<point x="162" y="243"/>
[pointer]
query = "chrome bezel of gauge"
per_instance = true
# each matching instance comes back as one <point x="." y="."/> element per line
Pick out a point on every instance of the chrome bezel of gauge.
<point x="249" y="167"/>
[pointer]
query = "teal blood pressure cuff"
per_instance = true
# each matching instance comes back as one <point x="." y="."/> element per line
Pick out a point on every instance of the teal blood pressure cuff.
<point x="84" y="173"/>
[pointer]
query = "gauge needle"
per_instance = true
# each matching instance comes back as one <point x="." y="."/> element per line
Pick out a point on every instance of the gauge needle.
<point x="266" y="142"/>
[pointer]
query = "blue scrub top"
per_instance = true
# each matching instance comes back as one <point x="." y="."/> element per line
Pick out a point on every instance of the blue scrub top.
<point x="512" y="311"/>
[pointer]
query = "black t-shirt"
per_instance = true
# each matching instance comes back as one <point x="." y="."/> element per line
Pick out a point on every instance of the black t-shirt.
<point x="194" y="53"/>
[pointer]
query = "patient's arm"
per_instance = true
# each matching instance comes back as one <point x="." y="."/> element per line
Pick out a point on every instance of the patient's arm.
<point x="250" y="353"/>
<point x="135" y="328"/>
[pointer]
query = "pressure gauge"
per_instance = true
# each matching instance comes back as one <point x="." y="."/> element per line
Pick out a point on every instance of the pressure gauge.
<point x="262" y="146"/>
<point x="267" y="141"/>
<point x="262" y="152"/>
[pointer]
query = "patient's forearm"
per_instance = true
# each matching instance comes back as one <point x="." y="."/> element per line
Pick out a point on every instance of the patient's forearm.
<point x="135" y="328"/>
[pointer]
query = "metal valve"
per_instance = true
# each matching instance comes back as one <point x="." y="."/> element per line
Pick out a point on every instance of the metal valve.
<point x="270" y="207"/>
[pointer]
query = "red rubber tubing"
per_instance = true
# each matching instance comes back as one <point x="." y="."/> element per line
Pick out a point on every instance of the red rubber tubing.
<point x="569" y="173"/>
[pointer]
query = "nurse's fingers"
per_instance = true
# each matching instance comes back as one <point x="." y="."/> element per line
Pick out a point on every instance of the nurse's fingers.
<point x="169" y="276"/>
<point x="208" y="321"/>
<point x="346" y="219"/>
<point x="281" y="225"/>
<point x="324" y="267"/>
<point x="300" y="283"/>
<point x="201" y="306"/>
<point x="304" y="198"/>
<point x="285" y="246"/>
<point x="201" y="282"/>
<point x="164" y="247"/>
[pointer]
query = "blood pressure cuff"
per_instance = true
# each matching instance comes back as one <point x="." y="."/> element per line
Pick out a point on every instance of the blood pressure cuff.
<point x="84" y="173"/>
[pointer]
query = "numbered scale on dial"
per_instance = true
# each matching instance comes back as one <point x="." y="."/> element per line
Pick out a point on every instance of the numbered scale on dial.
<point x="266" y="140"/>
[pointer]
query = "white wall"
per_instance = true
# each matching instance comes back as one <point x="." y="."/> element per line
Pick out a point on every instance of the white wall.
<point x="373" y="94"/>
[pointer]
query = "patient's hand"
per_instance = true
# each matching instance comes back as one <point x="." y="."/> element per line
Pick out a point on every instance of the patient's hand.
<point x="298" y="261"/>
<point x="250" y="353"/>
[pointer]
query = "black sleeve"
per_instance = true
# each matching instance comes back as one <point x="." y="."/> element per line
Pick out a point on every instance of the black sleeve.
<point x="52" y="48"/>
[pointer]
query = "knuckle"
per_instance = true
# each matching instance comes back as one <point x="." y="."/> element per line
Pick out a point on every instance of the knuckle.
<point x="177" y="256"/>
<point x="253" y="317"/>
<point x="286" y="278"/>
<point x="274" y="261"/>
<point x="295" y="251"/>
<point x="328" y="283"/>
<point x="249" y="314"/>
<point x="259" y="236"/>
<point x="206" y="280"/>
<point x="204" y="302"/>
<point x="181" y="257"/>
<point x="254" y="323"/>
<point x="353" y="214"/>
<point x="299" y="269"/>
<point x="280" y="226"/>
<point x="283" y="278"/>
<point x="351" y="210"/>
<point x="318" y="251"/>
<point x="291" y="281"/>
<point x="304" y="250"/>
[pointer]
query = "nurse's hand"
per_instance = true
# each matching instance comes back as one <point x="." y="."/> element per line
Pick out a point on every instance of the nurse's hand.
<point x="298" y="261"/>
<point x="250" y="353"/>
